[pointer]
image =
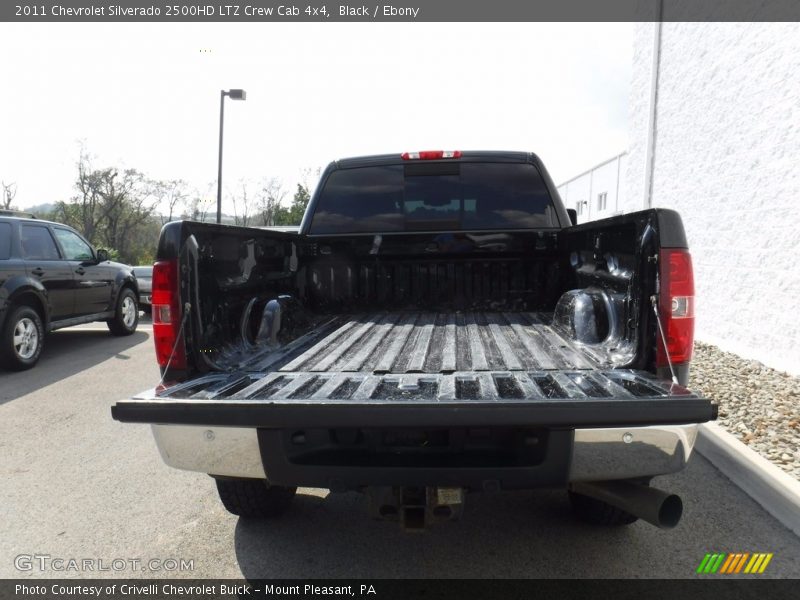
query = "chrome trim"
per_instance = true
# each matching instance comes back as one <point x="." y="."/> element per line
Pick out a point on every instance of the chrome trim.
<point x="604" y="454"/>
<point x="598" y="454"/>
<point x="231" y="451"/>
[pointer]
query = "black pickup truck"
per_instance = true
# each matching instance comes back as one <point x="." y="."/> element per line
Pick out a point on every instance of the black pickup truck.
<point x="437" y="326"/>
<point x="50" y="278"/>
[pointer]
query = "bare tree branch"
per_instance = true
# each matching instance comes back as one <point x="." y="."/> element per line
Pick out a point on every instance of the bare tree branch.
<point x="88" y="184"/>
<point x="242" y="205"/>
<point x="170" y="195"/>
<point x="198" y="207"/>
<point x="270" y="197"/>
<point x="9" y="193"/>
<point x="310" y="177"/>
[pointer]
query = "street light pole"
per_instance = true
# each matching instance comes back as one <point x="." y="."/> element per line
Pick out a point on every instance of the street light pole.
<point x="219" y="168"/>
<point x="234" y="95"/>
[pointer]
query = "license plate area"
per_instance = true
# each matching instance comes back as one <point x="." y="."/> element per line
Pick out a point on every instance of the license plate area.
<point x="407" y="447"/>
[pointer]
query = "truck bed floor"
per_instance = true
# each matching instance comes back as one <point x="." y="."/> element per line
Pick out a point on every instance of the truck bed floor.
<point x="413" y="356"/>
<point x="418" y="356"/>
<point x="419" y="342"/>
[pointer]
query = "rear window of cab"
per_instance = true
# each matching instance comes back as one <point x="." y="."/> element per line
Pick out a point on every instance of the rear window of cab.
<point x="441" y="196"/>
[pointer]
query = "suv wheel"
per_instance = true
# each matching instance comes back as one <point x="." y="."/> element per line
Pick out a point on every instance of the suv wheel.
<point x="254" y="498"/>
<point x="22" y="339"/>
<point x="126" y="317"/>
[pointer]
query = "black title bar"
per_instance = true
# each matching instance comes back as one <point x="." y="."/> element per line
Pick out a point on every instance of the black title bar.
<point x="400" y="10"/>
<point x="707" y="588"/>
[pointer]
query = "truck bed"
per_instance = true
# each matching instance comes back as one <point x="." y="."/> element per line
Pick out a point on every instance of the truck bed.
<point x="418" y="342"/>
<point x="420" y="356"/>
<point x="414" y="342"/>
<point x="411" y="368"/>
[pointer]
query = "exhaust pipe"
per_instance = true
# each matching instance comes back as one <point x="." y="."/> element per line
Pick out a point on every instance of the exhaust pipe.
<point x="655" y="506"/>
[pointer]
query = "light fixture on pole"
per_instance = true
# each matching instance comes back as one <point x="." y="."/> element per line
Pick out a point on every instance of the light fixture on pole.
<point x="233" y="95"/>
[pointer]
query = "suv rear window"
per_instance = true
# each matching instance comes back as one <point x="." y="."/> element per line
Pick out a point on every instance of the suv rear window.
<point x="37" y="243"/>
<point x="5" y="241"/>
<point x="434" y="196"/>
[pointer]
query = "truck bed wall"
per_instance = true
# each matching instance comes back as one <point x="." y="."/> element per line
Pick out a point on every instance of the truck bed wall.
<point x="421" y="272"/>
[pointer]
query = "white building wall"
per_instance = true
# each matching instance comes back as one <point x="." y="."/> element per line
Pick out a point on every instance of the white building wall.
<point x="727" y="157"/>
<point x="638" y="116"/>
<point x="575" y="194"/>
<point x="585" y="189"/>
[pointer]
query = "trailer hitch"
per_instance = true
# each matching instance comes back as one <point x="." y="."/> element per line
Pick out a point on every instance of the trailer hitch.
<point x="415" y="507"/>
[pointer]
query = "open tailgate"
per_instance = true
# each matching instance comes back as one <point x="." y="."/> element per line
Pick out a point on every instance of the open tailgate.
<point x="563" y="399"/>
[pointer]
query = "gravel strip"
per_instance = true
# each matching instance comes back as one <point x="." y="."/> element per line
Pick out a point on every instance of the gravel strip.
<point x="757" y="404"/>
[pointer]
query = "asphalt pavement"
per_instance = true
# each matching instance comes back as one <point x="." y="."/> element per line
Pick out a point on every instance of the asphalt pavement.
<point x="78" y="485"/>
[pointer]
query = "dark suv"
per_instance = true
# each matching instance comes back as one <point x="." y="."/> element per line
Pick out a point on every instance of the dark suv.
<point x="50" y="277"/>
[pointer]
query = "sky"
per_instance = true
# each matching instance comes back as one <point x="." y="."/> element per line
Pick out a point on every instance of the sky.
<point x="146" y="96"/>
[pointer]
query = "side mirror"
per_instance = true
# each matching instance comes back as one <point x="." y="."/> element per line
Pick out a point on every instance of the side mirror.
<point x="573" y="216"/>
<point x="102" y="255"/>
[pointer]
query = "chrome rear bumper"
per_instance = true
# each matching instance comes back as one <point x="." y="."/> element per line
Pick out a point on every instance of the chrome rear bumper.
<point x="597" y="455"/>
<point x="625" y="453"/>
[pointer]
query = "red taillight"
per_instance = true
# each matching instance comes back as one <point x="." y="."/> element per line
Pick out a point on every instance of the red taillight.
<point x="431" y="154"/>
<point x="167" y="314"/>
<point x="676" y="306"/>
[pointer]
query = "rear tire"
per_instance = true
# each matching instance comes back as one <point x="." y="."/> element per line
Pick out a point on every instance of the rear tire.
<point x="126" y="316"/>
<point x="22" y="339"/>
<point x="597" y="512"/>
<point x="254" y="498"/>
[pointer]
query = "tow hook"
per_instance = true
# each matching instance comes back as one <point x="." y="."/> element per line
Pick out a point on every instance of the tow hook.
<point x="415" y="507"/>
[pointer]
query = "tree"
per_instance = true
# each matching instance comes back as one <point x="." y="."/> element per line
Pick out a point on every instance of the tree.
<point x="309" y="178"/>
<point x="300" y="203"/>
<point x="270" y="197"/>
<point x="114" y="209"/>
<point x="170" y="197"/>
<point x="198" y="207"/>
<point x="294" y="214"/>
<point x="85" y="210"/>
<point x="9" y="193"/>
<point x="128" y="201"/>
<point x="243" y="204"/>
